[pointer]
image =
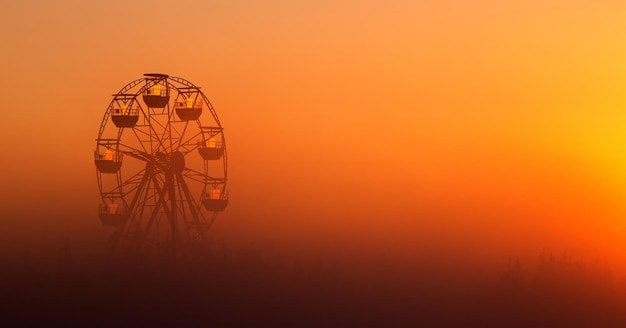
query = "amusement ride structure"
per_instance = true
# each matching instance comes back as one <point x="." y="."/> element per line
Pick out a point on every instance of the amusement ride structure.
<point x="161" y="165"/>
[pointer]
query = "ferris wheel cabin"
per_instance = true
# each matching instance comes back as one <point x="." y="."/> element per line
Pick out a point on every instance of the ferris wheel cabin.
<point x="122" y="112"/>
<point x="111" y="215"/>
<point x="216" y="200"/>
<point x="156" y="92"/>
<point x="188" y="104"/>
<point x="212" y="148"/>
<point x="106" y="156"/>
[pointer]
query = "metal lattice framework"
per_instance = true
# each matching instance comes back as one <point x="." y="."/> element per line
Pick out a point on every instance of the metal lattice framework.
<point x="161" y="165"/>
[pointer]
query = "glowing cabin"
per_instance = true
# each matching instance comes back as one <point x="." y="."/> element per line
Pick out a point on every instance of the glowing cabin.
<point x="188" y="104"/>
<point x="106" y="157"/>
<point x="122" y="112"/>
<point x="216" y="200"/>
<point x="156" y="95"/>
<point x="212" y="148"/>
<point x="112" y="215"/>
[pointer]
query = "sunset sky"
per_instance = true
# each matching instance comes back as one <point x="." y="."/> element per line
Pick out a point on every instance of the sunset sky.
<point x="485" y="128"/>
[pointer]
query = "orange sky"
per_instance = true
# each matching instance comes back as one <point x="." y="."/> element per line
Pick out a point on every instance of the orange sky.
<point x="489" y="127"/>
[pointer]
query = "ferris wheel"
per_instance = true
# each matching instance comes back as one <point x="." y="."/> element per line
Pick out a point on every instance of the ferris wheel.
<point x="161" y="164"/>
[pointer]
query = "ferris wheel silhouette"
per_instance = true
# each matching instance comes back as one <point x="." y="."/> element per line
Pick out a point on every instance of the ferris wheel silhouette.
<point x="161" y="165"/>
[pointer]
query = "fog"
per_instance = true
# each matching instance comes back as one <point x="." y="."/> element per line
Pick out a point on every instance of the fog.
<point x="376" y="151"/>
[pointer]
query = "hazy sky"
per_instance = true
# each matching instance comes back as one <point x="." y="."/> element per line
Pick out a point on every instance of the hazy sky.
<point x="485" y="126"/>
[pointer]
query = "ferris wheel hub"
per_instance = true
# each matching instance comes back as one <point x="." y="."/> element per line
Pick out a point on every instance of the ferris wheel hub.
<point x="177" y="162"/>
<point x="173" y="162"/>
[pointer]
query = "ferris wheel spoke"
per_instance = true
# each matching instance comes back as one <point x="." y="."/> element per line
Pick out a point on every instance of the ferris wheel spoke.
<point x="135" y="153"/>
<point x="134" y="181"/>
<point x="162" y="146"/>
<point x="143" y="147"/>
<point x="175" y="142"/>
<point x="195" y="175"/>
<point x="182" y="135"/>
<point x="154" y="137"/>
<point x="188" y="145"/>
<point x="189" y="172"/>
<point x="119" y="191"/>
